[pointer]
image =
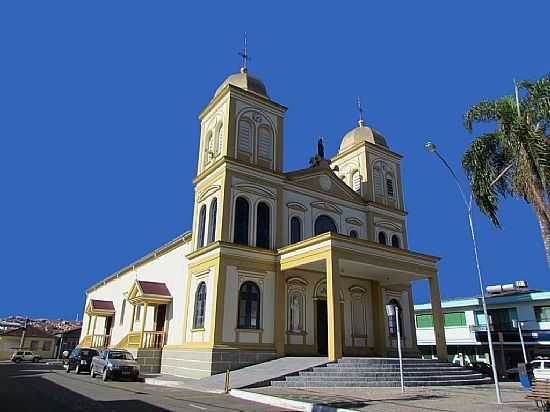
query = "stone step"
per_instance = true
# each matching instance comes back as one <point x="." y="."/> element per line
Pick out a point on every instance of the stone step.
<point x="390" y="367"/>
<point x="380" y="378"/>
<point x="381" y="372"/>
<point x="354" y="383"/>
<point x="345" y="361"/>
<point x="384" y="373"/>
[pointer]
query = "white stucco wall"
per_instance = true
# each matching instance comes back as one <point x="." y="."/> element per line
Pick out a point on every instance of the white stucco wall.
<point x="169" y="268"/>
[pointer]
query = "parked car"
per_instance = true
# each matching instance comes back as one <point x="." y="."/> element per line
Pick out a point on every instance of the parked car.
<point x="24" y="356"/>
<point x="113" y="364"/>
<point x="482" y="367"/>
<point x="540" y="368"/>
<point x="80" y="360"/>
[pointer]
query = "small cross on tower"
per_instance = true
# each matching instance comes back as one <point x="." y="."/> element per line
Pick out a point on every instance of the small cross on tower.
<point x="245" y="56"/>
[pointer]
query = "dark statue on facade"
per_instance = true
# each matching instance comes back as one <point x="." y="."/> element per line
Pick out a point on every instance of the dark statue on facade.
<point x="321" y="148"/>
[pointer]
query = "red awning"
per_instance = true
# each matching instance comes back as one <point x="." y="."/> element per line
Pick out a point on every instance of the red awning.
<point x="154" y="288"/>
<point x="103" y="305"/>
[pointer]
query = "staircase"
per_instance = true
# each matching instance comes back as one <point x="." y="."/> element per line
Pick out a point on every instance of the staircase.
<point x="382" y="372"/>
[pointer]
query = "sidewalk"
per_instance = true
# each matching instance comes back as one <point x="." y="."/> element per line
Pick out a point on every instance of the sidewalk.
<point x="441" y="398"/>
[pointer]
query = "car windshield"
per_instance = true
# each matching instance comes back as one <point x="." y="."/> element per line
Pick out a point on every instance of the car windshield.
<point x="86" y="353"/>
<point x="121" y="355"/>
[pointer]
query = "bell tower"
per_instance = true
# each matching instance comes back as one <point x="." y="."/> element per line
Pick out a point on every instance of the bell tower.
<point x="241" y="122"/>
<point x="240" y="126"/>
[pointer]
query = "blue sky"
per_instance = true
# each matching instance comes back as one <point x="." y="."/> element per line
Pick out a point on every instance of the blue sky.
<point x="99" y="129"/>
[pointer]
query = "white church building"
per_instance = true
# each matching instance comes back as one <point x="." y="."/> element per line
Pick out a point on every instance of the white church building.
<point x="277" y="263"/>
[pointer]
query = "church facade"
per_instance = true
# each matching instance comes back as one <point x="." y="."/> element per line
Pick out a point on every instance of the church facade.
<point x="277" y="263"/>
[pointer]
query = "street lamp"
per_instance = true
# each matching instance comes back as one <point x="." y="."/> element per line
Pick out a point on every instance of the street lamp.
<point x="517" y="324"/>
<point x="393" y="310"/>
<point x="432" y="148"/>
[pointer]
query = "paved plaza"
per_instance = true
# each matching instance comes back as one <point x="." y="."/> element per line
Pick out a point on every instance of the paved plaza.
<point x="451" y="398"/>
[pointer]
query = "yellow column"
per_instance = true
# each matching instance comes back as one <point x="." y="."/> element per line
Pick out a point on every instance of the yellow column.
<point x="93" y="327"/>
<point x="378" y="318"/>
<point x="333" y="309"/>
<point x="280" y="310"/>
<point x="437" y="314"/>
<point x="133" y="318"/>
<point x="143" y="323"/>
<point x="89" y="324"/>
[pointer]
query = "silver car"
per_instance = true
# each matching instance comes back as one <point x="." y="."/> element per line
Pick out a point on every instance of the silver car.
<point x="115" y="364"/>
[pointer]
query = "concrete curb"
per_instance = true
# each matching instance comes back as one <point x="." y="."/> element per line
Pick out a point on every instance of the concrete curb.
<point x="284" y="403"/>
<point x="177" y="384"/>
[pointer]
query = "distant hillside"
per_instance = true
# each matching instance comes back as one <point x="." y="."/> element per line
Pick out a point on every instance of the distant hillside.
<point x="47" y="325"/>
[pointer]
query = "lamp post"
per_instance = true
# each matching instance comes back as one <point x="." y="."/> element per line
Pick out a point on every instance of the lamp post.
<point x="393" y="310"/>
<point x="431" y="147"/>
<point x="517" y="324"/>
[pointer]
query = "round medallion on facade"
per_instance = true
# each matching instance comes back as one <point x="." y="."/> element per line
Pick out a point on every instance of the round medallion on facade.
<point x="325" y="182"/>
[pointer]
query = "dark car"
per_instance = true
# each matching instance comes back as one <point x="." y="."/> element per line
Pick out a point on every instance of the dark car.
<point x="115" y="364"/>
<point x="482" y="367"/>
<point x="80" y="360"/>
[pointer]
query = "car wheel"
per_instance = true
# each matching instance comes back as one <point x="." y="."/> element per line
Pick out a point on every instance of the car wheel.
<point x="68" y="369"/>
<point x="17" y="360"/>
<point x="77" y="369"/>
<point x="105" y="376"/>
<point x="92" y="373"/>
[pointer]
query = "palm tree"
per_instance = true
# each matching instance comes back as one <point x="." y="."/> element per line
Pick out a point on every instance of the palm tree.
<point x="514" y="158"/>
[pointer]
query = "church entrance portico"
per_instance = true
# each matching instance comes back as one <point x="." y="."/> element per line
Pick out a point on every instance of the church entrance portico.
<point x="347" y="283"/>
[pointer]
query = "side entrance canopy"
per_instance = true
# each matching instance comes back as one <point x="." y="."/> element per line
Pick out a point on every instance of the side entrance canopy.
<point x="155" y="293"/>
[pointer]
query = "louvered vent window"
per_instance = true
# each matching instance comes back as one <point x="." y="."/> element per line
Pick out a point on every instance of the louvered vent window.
<point x="378" y="185"/>
<point x="265" y="143"/>
<point x="220" y="139"/>
<point x="356" y="181"/>
<point x="244" y="136"/>
<point x="389" y="187"/>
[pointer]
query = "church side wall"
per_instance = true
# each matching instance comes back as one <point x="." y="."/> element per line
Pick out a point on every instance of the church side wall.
<point x="169" y="268"/>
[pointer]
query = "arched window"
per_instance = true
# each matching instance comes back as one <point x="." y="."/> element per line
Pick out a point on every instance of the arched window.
<point x="395" y="241"/>
<point x="265" y="143"/>
<point x="220" y="139"/>
<point x="323" y="224"/>
<point x="240" y="232"/>
<point x="295" y="230"/>
<point x="212" y="220"/>
<point x="382" y="238"/>
<point x="249" y="306"/>
<point x="392" y="324"/>
<point x="202" y="224"/>
<point x="353" y="234"/>
<point x="262" y="226"/>
<point x="378" y="183"/>
<point x="356" y="181"/>
<point x="200" y="306"/>
<point x="245" y="136"/>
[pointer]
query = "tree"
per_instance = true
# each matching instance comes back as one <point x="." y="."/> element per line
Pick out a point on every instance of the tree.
<point x="514" y="158"/>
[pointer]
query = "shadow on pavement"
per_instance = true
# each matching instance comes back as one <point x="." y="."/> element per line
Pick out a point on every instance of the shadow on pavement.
<point x="28" y="392"/>
<point x="350" y="402"/>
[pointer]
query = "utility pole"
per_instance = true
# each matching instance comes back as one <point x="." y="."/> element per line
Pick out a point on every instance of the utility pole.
<point x="22" y="341"/>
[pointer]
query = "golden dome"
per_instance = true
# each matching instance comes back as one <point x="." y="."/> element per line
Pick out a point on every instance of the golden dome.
<point x="244" y="81"/>
<point x="362" y="133"/>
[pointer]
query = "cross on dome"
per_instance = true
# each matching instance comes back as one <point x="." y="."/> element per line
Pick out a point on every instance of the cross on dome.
<point x="245" y="56"/>
<point x="360" y="108"/>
